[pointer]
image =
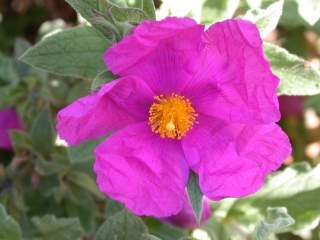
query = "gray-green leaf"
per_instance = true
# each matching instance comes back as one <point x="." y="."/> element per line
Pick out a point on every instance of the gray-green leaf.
<point x="149" y="237"/>
<point x="149" y="8"/>
<point x="102" y="78"/>
<point x="51" y="228"/>
<point x="122" y="226"/>
<point x="84" y="181"/>
<point x="9" y="228"/>
<point x="126" y="14"/>
<point x="254" y="3"/>
<point x="75" y="52"/>
<point x="266" y="19"/>
<point x="277" y="220"/>
<point x="297" y="188"/>
<point x="195" y="195"/>
<point x="296" y="76"/>
<point x="8" y="73"/>
<point x="42" y="133"/>
<point x="217" y="10"/>
<point x="86" y="8"/>
<point x="309" y="10"/>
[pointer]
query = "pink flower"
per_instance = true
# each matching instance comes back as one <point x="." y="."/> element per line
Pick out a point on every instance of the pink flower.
<point x="9" y="119"/>
<point x="186" y="218"/>
<point x="186" y="99"/>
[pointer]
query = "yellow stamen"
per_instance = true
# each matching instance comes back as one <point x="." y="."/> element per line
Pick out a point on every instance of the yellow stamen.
<point x="171" y="116"/>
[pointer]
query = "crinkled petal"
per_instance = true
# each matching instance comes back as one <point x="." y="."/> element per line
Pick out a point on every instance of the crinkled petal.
<point x="9" y="119"/>
<point x="114" y="106"/>
<point x="233" y="159"/>
<point x="186" y="218"/>
<point x="145" y="172"/>
<point x="163" y="53"/>
<point x="233" y="80"/>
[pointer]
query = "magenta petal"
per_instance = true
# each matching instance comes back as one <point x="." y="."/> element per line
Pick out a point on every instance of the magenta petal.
<point x="146" y="173"/>
<point x="117" y="104"/>
<point x="234" y="81"/>
<point x="232" y="160"/>
<point x="186" y="218"/>
<point x="9" y="119"/>
<point x="163" y="53"/>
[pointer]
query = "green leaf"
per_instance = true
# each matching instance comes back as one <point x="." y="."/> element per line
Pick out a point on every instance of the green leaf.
<point x="195" y="195"/>
<point x="102" y="78"/>
<point x="291" y="18"/>
<point x="20" y="140"/>
<point x="217" y="10"/>
<point x="296" y="76"/>
<point x="86" y="8"/>
<point x="149" y="8"/>
<point x="79" y="89"/>
<point x="20" y="46"/>
<point x="122" y="226"/>
<point x="106" y="27"/>
<point x="42" y="133"/>
<point x="83" y="151"/>
<point x="47" y="168"/>
<point x="84" y="181"/>
<point x="85" y="214"/>
<point x="254" y="3"/>
<point x="149" y="237"/>
<point x="309" y="10"/>
<point x="277" y="220"/>
<point x="7" y="72"/>
<point x="297" y="188"/>
<point x="75" y="52"/>
<point x="125" y="14"/>
<point x="9" y="228"/>
<point x="266" y="19"/>
<point x="165" y="231"/>
<point x="216" y="230"/>
<point x="112" y="208"/>
<point x="51" y="228"/>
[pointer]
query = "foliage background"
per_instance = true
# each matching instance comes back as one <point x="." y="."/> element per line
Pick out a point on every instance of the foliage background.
<point x="48" y="191"/>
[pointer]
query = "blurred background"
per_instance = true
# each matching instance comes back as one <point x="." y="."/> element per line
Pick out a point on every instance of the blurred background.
<point x="40" y="176"/>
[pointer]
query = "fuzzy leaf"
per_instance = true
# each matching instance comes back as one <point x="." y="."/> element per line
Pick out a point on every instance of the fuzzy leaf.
<point x="296" y="76"/>
<point x="195" y="195"/>
<point x="149" y="8"/>
<point x="277" y="220"/>
<point x="217" y="10"/>
<point x="9" y="228"/>
<point x="20" y="46"/>
<point x="42" y="133"/>
<point x="126" y="14"/>
<point x="166" y="231"/>
<point x="75" y="52"/>
<point x="309" y="10"/>
<point x="7" y="72"/>
<point x="87" y="8"/>
<point x="266" y="19"/>
<point x="84" y="181"/>
<point x="297" y="188"/>
<point x="51" y="228"/>
<point x="254" y="3"/>
<point x="84" y="7"/>
<point x="108" y="29"/>
<point x="122" y="226"/>
<point x="20" y="141"/>
<point x="149" y="237"/>
<point x="102" y="78"/>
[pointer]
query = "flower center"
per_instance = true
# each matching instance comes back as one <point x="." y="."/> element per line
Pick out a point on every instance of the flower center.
<point x="171" y="116"/>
